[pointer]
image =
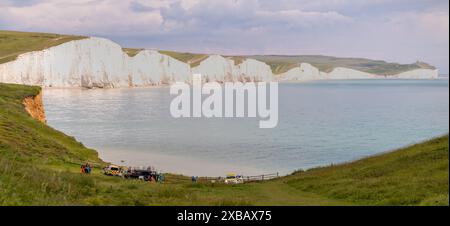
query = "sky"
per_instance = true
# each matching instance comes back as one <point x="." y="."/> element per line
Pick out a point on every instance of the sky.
<point x="402" y="31"/>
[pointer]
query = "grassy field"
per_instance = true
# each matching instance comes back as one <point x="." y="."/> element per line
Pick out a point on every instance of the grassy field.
<point x="413" y="175"/>
<point x="40" y="166"/>
<point x="14" y="43"/>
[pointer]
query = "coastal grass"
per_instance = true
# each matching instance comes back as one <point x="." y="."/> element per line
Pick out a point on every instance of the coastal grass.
<point x="14" y="43"/>
<point x="25" y="139"/>
<point x="40" y="166"/>
<point x="415" y="175"/>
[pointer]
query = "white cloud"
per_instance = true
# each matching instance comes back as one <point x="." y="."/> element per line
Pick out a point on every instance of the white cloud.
<point x="80" y="16"/>
<point x="428" y="24"/>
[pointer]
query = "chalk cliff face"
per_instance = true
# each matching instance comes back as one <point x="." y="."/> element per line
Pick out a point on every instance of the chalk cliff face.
<point x="97" y="62"/>
<point x="347" y="73"/>
<point x="418" y="74"/>
<point x="307" y="72"/>
<point x="253" y="70"/>
<point x="93" y="62"/>
<point x="217" y="68"/>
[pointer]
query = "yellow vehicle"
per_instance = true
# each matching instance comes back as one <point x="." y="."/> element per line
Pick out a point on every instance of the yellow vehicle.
<point x="232" y="178"/>
<point x="112" y="170"/>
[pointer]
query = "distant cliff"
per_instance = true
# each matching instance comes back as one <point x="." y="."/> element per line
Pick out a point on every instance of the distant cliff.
<point x="307" y="72"/>
<point x="98" y="62"/>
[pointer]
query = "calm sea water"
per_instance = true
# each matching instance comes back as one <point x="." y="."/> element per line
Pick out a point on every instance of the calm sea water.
<point x="320" y="123"/>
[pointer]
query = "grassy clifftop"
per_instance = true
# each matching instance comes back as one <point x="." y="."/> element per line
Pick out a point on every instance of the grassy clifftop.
<point x="40" y="166"/>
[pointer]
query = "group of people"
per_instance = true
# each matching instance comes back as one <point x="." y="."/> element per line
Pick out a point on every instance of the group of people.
<point x="86" y="168"/>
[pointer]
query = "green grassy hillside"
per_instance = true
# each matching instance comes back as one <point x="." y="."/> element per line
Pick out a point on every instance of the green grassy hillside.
<point x="14" y="43"/>
<point x="413" y="175"/>
<point x="40" y="166"/>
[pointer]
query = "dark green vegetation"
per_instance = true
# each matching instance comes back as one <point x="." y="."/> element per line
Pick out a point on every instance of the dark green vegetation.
<point x="40" y="166"/>
<point x="281" y="64"/>
<point x="14" y="43"/>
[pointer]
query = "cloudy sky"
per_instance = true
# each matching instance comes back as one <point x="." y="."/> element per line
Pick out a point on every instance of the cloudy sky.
<point x="394" y="30"/>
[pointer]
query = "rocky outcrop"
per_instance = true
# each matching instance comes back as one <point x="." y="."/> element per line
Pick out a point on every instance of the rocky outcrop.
<point x="35" y="107"/>
<point x="98" y="62"/>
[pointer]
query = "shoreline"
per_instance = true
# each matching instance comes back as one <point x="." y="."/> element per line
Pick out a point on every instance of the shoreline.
<point x="180" y="165"/>
<point x="279" y="81"/>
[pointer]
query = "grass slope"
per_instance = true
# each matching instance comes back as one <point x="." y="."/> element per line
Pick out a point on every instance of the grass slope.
<point x="415" y="175"/>
<point x="40" y="166"/>
<point x="14" y="43"/>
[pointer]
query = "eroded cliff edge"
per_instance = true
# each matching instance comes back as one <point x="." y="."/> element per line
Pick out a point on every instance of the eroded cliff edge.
<point x="35" y="107"/>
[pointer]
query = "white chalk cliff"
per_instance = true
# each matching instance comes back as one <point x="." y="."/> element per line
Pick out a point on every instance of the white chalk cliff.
<point x="219" y="69"/>
<point x="307" y="72"/>
<point x="93" y="62"/>
<point x="98" y="62"/>
<point x="418" y="74"/>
